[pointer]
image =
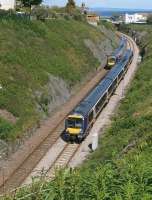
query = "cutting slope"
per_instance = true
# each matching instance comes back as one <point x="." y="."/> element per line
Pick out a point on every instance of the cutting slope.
<point x="40" y="63"/>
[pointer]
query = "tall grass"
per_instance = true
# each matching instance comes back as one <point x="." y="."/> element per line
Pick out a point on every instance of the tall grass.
<point x="128" y="178"/>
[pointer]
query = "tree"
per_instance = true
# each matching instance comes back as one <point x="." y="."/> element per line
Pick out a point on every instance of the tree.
<point x="40" y="12"/>
<point x="30" y="3"/>
<point x="70" y="7"/>
<point x="149" y="19"/>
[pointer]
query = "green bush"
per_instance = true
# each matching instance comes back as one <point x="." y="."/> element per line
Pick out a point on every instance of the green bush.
<point x="41" y="13"/>
<point x="79" y="17"/>
<point x="5" y="129"/>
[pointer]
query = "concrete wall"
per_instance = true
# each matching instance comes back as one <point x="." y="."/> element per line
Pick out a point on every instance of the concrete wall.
<point x="7" y="4"/>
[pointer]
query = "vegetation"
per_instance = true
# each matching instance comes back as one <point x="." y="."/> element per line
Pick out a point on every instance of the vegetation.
<point x="5" y="128"/>
<point x="128" y="178"/>
<point x="121" y="168"/>
<point x="30" y="52"/>
<point x="30" y="3"/>
<point x="41" y="13"/>
<point x="149" y="19"/>
<point x="71" y="6"/>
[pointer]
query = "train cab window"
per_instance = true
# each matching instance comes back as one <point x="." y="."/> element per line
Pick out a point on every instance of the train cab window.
<point x="111" y="60"/>
<point x="91" y="116"/>
<point x="74" y="122"/>
<point x="100" y="103"/>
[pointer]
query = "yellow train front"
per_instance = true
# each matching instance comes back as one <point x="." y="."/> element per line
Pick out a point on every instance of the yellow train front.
<point x="111" y="61"/>
<point x="116" y="56"/>
<point x="74" y="127"/>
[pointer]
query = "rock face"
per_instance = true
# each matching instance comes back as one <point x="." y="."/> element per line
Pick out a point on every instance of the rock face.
<point x="105" y="47"/>
<point x="54" y="94"/>
<point x="100" y="51"/>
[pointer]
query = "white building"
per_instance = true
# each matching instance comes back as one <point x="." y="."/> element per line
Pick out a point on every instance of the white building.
<point x="135" y="18"/>
<point x="7" y="4"/>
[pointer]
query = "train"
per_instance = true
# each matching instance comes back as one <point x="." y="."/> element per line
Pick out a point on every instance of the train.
<point x="81" y="119"/>
<point x="116" y="56"/>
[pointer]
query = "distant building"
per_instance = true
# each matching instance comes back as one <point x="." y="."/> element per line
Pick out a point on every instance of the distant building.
<point x="93" y="19"/>
<point x="7" y="4"/>
<point x="135" y="18"/>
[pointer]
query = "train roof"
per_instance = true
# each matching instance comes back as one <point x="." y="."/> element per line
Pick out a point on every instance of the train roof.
<point x="85" y="106"/>
<point x="114" y="72"/>
<point x="121" y="46"/>
<point x="128" y="53"/>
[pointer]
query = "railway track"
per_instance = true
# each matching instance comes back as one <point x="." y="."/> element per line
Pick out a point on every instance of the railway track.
<point x="61" y="160"/>
<point x="64" y="157"/>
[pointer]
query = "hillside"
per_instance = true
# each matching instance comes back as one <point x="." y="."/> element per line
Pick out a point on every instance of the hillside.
<point x="41" y="65"/>
<point x="121" y="168"/>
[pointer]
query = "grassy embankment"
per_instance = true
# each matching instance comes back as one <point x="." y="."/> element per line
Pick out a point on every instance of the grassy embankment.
<point x="121" y="168"/>
<point x="29" y="52"/>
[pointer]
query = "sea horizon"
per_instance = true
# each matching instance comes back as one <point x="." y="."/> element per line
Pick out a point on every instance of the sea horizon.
<point x="108" y="12"/>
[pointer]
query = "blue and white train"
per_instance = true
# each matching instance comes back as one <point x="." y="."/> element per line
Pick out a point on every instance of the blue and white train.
<point x="81" y="119"/>
<point x="117" y="55"/>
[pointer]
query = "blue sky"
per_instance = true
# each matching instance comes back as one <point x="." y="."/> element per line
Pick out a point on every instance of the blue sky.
<point x="145" y="4"/>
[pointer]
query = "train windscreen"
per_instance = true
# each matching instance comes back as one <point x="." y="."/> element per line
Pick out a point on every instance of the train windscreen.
<point x="74" y="122"/>
<point x="111" y="60"/>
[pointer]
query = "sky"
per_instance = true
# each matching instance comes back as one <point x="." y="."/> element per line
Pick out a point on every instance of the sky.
<point x="142" y="4"/>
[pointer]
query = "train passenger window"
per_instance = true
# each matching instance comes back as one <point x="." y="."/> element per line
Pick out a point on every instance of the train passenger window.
<point x="120" y="74"/>
<point x="115" y="82"/>
<point x="126" y="66"/>
<point x="110" y="89"/>
<point x="91" y="116"/>
<point x="100" y="103"/>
